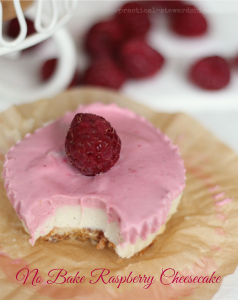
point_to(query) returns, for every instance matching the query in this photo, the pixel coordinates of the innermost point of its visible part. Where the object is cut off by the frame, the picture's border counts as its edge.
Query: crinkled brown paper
(202, 237)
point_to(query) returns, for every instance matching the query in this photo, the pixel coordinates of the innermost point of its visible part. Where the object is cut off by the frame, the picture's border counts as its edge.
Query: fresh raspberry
(190, 22)
(167, 7)
(92, 144)
(133, 19)
(75, 80)
(169, 4)
(150, 4)
(139, 60)
(235, 62)
(210, 73)
(13, 31)
(104, 72)
(176, 4)
(48, 70)
(103, 38)
(13, 28)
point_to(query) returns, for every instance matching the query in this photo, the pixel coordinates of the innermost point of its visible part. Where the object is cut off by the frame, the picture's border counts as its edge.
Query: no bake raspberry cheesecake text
(60, 276)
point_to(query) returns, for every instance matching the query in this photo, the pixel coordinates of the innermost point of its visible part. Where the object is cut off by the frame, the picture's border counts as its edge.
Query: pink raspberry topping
(139, 60)
(103, 38)
(211, 73)
(189, 21)
(92, 144)
(133, 19)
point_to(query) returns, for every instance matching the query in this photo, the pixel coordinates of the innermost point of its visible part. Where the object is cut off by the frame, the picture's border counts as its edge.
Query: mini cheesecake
(124, 208)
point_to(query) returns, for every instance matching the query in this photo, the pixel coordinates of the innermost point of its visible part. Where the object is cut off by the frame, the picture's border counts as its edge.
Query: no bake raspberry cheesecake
(126, 198)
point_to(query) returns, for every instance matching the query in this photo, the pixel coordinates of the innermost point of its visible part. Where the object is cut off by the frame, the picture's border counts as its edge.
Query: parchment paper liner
(202, 237)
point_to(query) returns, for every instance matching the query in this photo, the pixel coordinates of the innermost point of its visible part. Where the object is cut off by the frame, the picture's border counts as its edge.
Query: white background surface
(169, 90)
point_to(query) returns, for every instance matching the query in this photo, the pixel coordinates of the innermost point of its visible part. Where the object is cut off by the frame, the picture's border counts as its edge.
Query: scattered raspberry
(133, 19)
(236, 61)
(166, 5)
(92, 144)
(150, 4)
(13, 31)
(139, 60)
(49, 68)
(74, 80)
(104, 38)
(210, 73)
(13, 28)
(105, 73)
(190, 22)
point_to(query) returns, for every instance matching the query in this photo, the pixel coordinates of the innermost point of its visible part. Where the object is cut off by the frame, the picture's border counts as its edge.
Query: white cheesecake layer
(68, 217)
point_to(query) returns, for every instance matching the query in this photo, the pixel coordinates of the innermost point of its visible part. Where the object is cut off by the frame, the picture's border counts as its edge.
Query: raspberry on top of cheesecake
(125, 207)
(92, 144)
